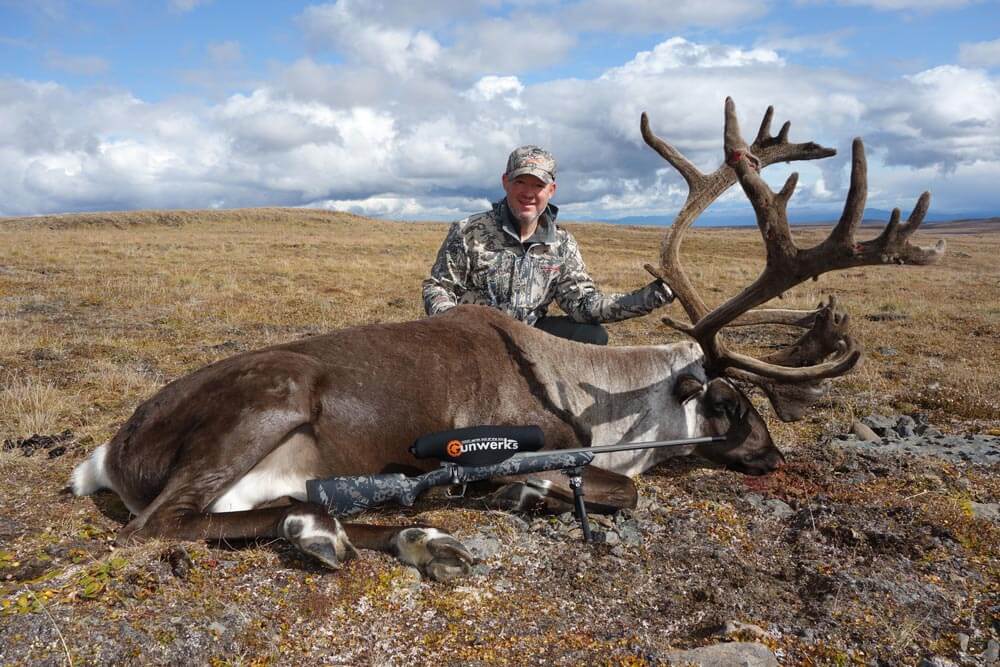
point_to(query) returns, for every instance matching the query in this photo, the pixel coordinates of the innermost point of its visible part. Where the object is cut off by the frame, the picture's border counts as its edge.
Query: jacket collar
(544, 233)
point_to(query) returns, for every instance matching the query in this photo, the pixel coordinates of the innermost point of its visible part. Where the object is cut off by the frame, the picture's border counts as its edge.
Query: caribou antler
(787, 265)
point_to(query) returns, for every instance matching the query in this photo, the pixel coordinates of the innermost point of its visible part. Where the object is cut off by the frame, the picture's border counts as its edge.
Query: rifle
(471, 455)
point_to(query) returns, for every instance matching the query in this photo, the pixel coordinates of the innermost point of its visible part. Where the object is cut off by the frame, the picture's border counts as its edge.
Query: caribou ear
(687, 387)
(722, 398)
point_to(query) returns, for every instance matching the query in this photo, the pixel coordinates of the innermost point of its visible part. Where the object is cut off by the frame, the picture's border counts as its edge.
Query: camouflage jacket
(483, 261)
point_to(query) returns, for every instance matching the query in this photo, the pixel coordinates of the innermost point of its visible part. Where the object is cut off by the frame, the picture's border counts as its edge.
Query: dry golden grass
(98, 310)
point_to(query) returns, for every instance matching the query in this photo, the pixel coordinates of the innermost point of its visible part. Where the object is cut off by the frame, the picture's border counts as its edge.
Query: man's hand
(660, 285)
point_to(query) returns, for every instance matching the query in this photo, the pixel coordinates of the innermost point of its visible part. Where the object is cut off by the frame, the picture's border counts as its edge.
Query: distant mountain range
(742, 219)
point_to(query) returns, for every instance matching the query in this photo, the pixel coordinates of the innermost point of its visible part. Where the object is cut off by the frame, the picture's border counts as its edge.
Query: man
(514, 258)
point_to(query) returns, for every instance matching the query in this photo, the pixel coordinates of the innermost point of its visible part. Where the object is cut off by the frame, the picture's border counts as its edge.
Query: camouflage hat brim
(545, 176)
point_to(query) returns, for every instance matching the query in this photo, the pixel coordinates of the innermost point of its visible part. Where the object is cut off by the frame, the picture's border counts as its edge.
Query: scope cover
(478, 445)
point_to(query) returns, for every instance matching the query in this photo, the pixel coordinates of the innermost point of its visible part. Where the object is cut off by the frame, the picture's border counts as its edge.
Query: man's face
(527, 197)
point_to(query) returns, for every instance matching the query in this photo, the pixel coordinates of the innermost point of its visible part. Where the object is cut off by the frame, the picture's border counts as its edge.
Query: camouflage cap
(532, 160)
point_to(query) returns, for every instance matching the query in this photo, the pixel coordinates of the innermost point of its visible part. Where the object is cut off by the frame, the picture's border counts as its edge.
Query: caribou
(225, 452)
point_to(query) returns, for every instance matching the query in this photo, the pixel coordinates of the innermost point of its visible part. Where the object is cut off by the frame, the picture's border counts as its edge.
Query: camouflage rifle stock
(471, 455)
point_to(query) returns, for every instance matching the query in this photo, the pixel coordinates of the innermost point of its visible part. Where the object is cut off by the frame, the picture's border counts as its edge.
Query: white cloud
(183, 6)
(980, 54)
(80, 65)
(677, 53)
(910, 5)
(506, 88)
(944, 116)
(224, 54)
(828, 43)
(397, 49)
(412, 208)
(655, 16)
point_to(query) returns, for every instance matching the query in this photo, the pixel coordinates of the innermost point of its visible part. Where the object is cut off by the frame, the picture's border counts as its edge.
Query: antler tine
(690, 173)
(787, 265)
(857, 195)
(703, 189)
(786, 316)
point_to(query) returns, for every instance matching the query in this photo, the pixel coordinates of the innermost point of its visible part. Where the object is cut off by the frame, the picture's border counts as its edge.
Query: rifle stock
(357, 493)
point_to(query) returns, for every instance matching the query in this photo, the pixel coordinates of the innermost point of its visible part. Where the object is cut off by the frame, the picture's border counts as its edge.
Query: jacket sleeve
(579, 297)
(447, 282)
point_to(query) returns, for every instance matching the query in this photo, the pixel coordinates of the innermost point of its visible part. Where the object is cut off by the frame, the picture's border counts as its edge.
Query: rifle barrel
(628, 446)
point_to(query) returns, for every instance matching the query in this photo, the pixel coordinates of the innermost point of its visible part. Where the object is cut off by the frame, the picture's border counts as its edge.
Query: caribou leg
(311, 530)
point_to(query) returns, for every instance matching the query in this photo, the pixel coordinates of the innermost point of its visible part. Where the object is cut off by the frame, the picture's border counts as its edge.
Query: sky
(408, 110)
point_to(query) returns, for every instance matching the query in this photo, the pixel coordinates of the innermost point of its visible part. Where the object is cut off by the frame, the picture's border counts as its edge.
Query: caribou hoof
(320, 536)
(438, 555)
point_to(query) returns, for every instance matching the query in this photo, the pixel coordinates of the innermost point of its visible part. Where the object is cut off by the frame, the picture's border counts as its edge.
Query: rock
(864, 432)
(745, 629)
(963, 642)
(937, 661)
(883, 426)
(611, 538)
(10, 528)
(218, 628)
(772, 506)
(179, 560)
(905, 426)
(887, 351)
(735, 654)
(991, 656)
(629, 533)
(518, 522)
(988, 511)
(482, 546)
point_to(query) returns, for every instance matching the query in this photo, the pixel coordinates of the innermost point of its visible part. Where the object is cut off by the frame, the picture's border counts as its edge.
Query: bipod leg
(576, 483)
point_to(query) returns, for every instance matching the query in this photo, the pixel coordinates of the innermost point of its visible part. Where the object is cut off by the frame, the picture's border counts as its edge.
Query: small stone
(738, 627)
(991, 656)
(179, 560)
(619, 551)
(937, 661)
(218, 628)
(883, 426)
(629, 532)
(734, 653)
(482, 546)
(610, 538)
(517, 522)
(887, 351)
(963, 642)
(864, 432)
(988, 511)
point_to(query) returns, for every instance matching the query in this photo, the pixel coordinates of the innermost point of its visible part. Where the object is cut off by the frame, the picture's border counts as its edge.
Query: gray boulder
(735, 654)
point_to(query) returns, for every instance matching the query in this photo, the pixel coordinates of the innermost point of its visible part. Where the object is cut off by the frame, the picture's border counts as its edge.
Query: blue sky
(408, 109)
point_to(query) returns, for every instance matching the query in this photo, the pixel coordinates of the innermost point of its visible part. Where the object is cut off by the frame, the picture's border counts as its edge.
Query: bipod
(576, 483)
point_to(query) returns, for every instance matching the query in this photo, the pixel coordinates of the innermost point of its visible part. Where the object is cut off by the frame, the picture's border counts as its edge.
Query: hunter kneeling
(516, 259)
